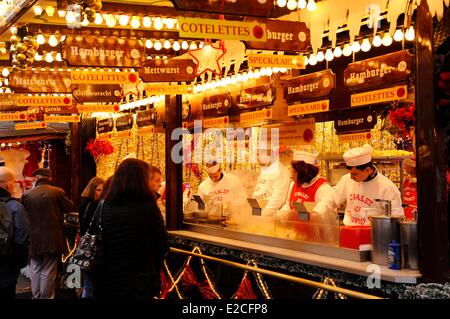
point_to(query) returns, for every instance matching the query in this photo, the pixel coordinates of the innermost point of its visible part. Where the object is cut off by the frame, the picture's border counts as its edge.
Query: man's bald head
(7, 179)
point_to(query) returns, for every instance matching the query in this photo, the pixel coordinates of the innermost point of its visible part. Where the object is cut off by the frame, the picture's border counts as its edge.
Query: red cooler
(354, 236)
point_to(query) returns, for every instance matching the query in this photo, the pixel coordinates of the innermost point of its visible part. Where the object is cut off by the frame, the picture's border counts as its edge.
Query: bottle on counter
(394, 255)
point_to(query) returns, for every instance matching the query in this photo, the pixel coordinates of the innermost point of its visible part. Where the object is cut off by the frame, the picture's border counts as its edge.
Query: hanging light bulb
(40, 39)
(135, 22)
(410, 34)
(70, 17)
(347, 51)
(37, 57)
(148, 44)
(387, 40)
(365, 46)
(281, 3)
(58, 57)
(13, 30)
(49, 57)
(377, 41)
(157, 45)
(193, 46)
(311, 5)
(6, 82)
(37, 10)
(166, 44)
(85, 22)
(398, 35)
(123, 20)
(337, 52)
(53, 41)
(292, 4)
(176, 46)
(170, 23)
(269, 71)
(301, 4)
(184, 45)
(356, 46)
(147, 22)
(312, 59)
(110, 21)
(61, 13)
(8, 90)
(158, 24)
(329, 55)
(98, 19)
(320, 56)
(50, 11)
(305, 60)
(5, 72)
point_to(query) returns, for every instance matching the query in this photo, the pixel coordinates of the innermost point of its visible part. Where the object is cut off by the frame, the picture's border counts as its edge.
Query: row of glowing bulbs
(5, 81)
(364, 46)
(110, 19)
(300, 4)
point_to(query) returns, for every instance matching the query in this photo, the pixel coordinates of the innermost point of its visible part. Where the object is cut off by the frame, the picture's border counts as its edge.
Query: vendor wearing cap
(410, 189)
(360, 188)
(273, 181)
(308, 185)
(220, 187)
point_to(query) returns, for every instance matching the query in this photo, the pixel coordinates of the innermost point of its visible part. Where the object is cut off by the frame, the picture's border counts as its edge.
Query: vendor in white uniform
(221, 189)
(273, 182)
(360, 188)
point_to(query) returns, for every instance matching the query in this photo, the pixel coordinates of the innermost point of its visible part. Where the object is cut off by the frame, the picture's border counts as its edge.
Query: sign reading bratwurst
(168, 70)
(309, 86)
(82, 50)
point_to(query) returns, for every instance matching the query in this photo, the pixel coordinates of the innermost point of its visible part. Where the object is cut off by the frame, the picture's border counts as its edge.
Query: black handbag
(87, 253)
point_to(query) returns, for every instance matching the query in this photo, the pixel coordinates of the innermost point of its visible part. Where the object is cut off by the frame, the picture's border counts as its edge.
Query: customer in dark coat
(90, 197)
(134, 237)
(46, 205)
(17, 256)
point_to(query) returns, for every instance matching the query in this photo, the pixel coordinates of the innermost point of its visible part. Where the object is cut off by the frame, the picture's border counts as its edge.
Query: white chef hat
(358, 155)
(212, 169)
(308, 158)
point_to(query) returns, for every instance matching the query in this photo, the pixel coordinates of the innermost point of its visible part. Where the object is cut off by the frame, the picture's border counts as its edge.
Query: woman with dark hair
(134, 241)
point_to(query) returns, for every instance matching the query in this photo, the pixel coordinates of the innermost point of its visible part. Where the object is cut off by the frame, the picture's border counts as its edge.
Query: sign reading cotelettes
(16, 116)
(98, 93)
(221, 29)
(276, 61)
(255, 8)
(41, 82)
(30, 126)
(104, 126)
(216, 105)
(61, 118)
(124, 122)
(258, 96)
(257, 116)
(26, 100)
(354, 121)
(283, 36)
(168, 70)
(98, 77)
(308, 108)
(379, 96)
(146, 118)
(379, 71)
(309, 86)
(355, 137)
(86, 50)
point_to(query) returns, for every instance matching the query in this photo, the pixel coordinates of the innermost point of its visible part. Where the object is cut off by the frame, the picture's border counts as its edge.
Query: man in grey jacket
(46, 205)
(17, 255)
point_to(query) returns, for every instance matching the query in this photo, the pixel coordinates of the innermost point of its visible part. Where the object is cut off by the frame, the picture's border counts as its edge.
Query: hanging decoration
(323, 294)
(89, 8)
(208, 57)
(23, 48)
(99, 148)
(403, 126)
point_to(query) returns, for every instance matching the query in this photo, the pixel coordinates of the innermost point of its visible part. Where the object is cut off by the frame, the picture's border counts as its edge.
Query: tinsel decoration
(89, 8)
(323, 293)
(245, 290)
(23, 48)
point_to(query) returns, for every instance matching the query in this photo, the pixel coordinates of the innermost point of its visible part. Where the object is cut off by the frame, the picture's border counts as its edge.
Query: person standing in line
(90, 197)
(134, 238)
(14, 250)
(46, 205)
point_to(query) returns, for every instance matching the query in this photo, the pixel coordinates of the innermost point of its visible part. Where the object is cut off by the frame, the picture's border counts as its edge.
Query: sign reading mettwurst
(41, 82)
(379, 71)
(104, 126)
(146, 118)
(283, 36)
(216, 105)
(254, 8)
(168, 70)
(99, 93)
(89, 50)
(124, 122)
(355, 121)
(257, 96)
(309, 86)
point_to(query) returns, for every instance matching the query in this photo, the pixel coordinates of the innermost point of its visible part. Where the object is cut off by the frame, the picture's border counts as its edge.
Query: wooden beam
(431, 168)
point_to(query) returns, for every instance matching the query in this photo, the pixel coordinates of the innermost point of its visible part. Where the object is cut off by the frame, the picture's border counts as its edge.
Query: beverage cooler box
(354, 236)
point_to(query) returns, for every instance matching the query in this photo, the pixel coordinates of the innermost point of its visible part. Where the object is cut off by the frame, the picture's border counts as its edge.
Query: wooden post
(174, 176)
(75, 151)
(430, 146)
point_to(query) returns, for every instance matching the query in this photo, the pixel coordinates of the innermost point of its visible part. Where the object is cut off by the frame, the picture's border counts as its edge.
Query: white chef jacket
(361, 195)
(228, 189)
(272, 185)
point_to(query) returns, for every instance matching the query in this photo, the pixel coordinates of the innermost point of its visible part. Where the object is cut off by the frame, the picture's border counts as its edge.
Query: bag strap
(98, 215)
